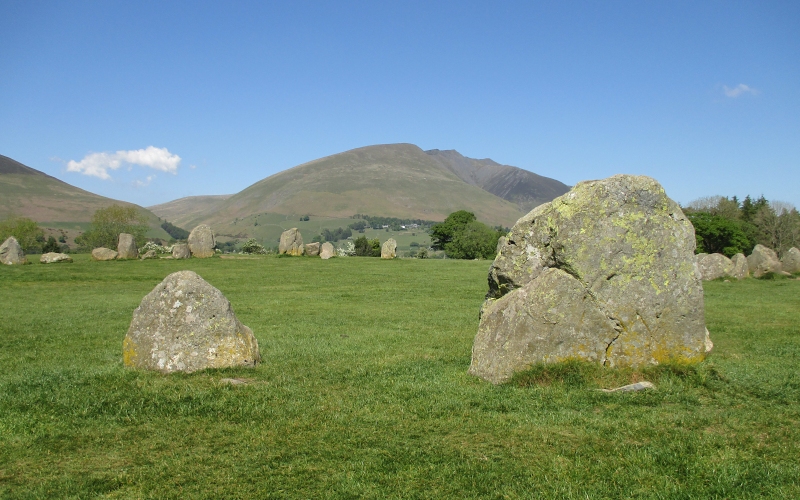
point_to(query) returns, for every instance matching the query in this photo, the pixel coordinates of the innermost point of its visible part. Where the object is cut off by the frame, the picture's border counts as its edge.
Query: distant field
(363, 393)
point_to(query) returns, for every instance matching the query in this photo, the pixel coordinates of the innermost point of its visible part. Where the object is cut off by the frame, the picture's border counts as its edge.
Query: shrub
(108, 223)
(252, 247)
(51, 246)
(26, 231)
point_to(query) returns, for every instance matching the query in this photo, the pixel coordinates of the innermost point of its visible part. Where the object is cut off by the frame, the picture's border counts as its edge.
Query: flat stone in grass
(150, 254)
(389, 249)
(185, 324)
(126, 248)
(604, 273)
(180, 251)
(54, 258)
(11, 252)
(327, 251)
(291, 242)
(103, 253)
(791, 261)
(763, 260)
(201, 242)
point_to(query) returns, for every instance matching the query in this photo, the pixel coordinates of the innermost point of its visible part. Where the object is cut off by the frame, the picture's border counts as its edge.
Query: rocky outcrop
(739, 269)
(604, 273)
(389, 249)
(54, 258)
(11, 252)
(103, 253)
(791, 261)
(763, 260)
(291, 242)
(713, 266)
(327, 250)
(201, 242)
(185, 324)
(312, 249)
(180, 251)
(126, 248)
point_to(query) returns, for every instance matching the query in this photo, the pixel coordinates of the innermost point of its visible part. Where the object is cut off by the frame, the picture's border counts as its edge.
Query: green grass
(363, 393)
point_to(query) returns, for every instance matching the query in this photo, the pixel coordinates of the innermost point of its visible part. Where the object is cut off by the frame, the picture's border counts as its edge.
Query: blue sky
(190, 98)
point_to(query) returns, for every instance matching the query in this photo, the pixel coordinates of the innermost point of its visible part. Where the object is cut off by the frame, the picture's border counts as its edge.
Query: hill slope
(391, 180)
(28, 192)
(183, 211)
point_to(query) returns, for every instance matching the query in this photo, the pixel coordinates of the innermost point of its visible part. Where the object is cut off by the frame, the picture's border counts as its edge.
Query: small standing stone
(53, 258)
(291, 242)
(791, 261)
(103, 253)
(185, 324)
(739, 269)
(327, 251)
(312, 249)
(126, 248)
(180, 251)
(201, 242)
(11, 252)
(389, 249)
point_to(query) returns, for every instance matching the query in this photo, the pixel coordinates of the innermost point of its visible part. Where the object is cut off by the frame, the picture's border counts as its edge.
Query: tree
(108, 223)
(174, 231)
(475, 241)
(717, 234)
(51, 246)
(367, 248)
(28, 234)
(444, 232)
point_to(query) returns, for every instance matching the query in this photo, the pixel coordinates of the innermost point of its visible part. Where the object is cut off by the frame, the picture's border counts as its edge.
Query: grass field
(363, 393)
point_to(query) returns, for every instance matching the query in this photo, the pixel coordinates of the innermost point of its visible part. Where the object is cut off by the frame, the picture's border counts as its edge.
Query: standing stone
(312, 249)
(126, 248)
(11, 253)
(54, 258)
(604, 273)
(713, 266)
(201, 242)
(791, 261)
(763, 260)
(150, 254)
(291, 242)
(740, 269)
(185, 324)
(103, 253)
(389, 249)
(180, 251)
(327, 251)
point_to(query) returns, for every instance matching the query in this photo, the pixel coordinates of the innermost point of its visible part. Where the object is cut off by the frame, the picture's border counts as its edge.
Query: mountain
(390, 180)
(183, 211)
(27, 192)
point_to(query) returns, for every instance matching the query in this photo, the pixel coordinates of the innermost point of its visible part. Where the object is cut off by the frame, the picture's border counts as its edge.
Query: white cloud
(140, 184)
(98, 164)
(739, 90)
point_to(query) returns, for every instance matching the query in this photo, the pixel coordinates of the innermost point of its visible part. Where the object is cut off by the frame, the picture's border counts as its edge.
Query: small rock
(180, 251)
(327, 251)
(53, 258)
(103, 253)
(11, 252)
(638, 386)
(126, 248)
(233, 381)
(312, 249)
(150, 254)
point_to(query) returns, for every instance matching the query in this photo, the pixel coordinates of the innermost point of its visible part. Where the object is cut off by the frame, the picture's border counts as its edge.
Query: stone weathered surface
(54, 258)
(389, 249)
(713, 266)
(763, 260)
(739, 269)
(327, 250)
(201, 242)
(291, 242)
(791, 261)
(185, 324)
(11, 252)
(180, 251)
(312, 249)
(150, 254)
(103, 253)
(126, 248)
(604, 273)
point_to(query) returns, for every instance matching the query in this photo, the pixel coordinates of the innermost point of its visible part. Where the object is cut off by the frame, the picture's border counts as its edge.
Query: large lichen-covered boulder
(389, 249)
(327, 250)
(739, 269)
(103, 253)
(201, 242)
(713, 266)
(126, 247)
(312, 249)
(185, 324)
(11, 252)
(763, 260)
(54, 258)
(790, 262)
(604, 273)
(291, 242)
(181, 251)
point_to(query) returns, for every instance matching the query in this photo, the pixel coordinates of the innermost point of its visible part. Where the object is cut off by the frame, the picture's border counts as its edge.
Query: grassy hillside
(395, 180)
(27, 192)
(364, 393)
(183, 211)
